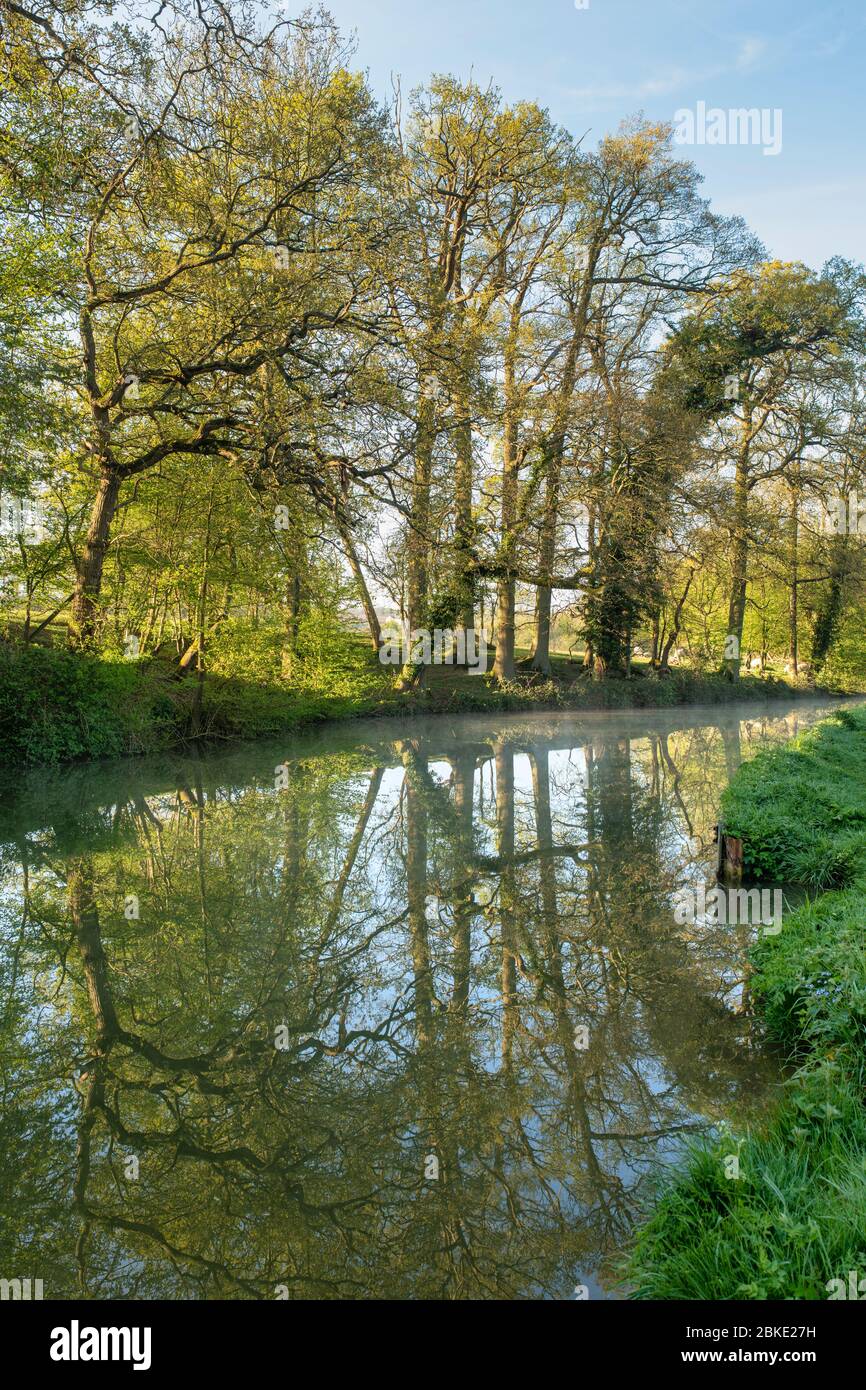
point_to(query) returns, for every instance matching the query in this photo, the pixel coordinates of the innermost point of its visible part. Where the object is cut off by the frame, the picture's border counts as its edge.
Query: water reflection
(244, 1008)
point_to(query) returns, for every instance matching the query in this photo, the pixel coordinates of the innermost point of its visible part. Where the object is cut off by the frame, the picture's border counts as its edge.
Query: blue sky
(591, 67)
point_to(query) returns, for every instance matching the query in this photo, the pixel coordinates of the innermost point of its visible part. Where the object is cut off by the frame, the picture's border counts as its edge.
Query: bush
(56, 705)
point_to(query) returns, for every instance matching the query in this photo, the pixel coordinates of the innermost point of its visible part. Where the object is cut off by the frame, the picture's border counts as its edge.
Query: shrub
(57, 705)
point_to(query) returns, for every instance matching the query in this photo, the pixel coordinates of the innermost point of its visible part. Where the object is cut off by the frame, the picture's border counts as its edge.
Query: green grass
(795, 1219)
(801, 808)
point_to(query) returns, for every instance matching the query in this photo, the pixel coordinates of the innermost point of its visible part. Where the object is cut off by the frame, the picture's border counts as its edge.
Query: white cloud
(749, 54)
(650, 87)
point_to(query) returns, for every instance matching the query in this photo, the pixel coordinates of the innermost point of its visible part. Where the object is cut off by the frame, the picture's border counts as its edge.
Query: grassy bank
(795, 1219)
(56, 706)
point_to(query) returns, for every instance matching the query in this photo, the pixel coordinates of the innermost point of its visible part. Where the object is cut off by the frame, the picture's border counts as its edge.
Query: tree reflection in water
(468, 939)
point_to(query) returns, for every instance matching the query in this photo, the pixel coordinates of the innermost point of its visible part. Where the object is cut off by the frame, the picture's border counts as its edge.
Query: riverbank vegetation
(61, 705)
(794, 1220)
(283, 368)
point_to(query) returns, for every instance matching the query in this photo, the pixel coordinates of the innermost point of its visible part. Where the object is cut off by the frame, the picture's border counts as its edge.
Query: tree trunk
(794, 542)
(540, 660)
(676, 622)
(293, 617)
(355, 565)
(88, 581)
(504, 668)
(418, 544)
(656, 635)
(418, 540)
(201, 617)
(739, 553)
(464, 617)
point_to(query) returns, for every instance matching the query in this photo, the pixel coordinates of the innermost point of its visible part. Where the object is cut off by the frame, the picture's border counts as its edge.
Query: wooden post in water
(729, 861)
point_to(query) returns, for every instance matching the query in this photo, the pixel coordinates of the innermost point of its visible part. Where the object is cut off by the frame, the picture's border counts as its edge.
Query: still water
(394, 1010)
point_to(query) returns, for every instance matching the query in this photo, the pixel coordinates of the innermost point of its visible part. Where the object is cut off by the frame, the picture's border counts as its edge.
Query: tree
(739, 357)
